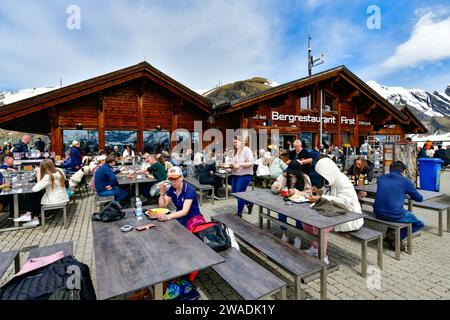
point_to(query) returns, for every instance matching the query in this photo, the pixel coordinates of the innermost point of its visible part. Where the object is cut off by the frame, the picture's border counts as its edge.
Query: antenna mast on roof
(60, 82)
(311, 59)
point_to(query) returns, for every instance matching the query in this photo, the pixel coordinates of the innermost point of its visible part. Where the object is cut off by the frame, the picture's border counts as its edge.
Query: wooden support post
(101, 121)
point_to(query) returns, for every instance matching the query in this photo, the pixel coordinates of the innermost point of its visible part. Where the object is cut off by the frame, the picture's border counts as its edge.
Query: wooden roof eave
(279, 90)
(58, 96)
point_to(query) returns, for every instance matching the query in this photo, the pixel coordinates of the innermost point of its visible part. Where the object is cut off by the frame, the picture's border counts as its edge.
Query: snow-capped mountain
(10, 97)
(432, 108)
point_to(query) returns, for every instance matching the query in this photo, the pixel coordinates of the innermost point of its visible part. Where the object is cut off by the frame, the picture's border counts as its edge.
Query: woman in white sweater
(53, 181)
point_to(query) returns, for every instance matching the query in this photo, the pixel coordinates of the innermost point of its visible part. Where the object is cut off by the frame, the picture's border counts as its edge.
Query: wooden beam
(140, 114)
(55, 133)
(349, 96)
(101, 120)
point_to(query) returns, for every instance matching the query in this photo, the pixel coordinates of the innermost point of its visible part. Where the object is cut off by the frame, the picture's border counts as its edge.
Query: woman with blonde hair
(52, 180)
(241, 172)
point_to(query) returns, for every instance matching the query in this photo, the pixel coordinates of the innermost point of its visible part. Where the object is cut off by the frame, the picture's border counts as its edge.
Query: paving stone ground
(423, 275)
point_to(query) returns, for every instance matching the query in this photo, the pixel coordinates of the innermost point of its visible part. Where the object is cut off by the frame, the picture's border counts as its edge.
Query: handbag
(214, 235)
(111, 212)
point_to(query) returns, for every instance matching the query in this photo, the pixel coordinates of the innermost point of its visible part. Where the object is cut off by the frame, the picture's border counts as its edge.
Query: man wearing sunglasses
(184, 198)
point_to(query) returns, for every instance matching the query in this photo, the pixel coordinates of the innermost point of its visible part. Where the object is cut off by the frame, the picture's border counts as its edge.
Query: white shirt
(126, 154)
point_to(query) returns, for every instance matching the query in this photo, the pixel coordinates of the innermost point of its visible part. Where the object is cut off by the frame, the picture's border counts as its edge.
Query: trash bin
(430, 173)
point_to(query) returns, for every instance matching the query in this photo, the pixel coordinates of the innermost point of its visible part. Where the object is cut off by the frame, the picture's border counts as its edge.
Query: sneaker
(297, 242)
(312, 252)
(23, 218)
(32, 223)
(284, 237)
(325, 259)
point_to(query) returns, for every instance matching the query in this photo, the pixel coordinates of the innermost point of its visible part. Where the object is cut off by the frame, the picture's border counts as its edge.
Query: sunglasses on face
(173, 179)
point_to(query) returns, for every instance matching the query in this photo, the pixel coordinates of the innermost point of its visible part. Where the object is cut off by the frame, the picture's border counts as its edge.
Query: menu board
(404, 152)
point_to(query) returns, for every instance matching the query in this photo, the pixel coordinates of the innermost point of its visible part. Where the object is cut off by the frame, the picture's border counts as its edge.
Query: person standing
(40, 145)
(392, 189)
(22, 145)
(241, 172)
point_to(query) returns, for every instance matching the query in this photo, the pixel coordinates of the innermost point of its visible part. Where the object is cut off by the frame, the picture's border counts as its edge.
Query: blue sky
(202, 42)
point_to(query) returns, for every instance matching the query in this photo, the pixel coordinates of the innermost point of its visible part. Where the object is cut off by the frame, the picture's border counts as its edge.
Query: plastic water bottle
(139, 209)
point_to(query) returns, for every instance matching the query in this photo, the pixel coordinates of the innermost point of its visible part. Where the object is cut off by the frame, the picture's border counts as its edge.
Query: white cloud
(197, 43)
(429, 41)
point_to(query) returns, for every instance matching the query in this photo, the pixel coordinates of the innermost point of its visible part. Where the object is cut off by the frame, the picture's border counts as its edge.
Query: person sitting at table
(184, 197)
(100, 161)
(8, 164)
(361, 166)
(52, 180)
(74, 162)
(299, 185)
(206, 176)
(166, 164)
(128, 152)
(392, 189)
(342, 192)
(301, 155)
(106, 181)
(276, 166)
(154, 171)
(6, 201)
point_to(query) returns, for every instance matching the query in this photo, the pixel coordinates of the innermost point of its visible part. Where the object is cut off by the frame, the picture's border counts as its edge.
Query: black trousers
(32, 202)
(216, 182)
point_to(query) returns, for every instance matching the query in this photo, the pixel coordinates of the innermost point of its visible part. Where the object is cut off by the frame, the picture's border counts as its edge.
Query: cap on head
(174, 173)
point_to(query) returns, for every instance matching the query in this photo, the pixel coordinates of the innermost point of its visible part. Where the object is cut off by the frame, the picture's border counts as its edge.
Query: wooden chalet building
(141, 106)
(352, 111)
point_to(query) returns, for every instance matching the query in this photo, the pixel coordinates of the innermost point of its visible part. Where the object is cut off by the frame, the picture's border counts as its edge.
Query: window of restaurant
(182, 137)
(327, 139)
(156, 141)
(121, 139)
(307, 138)
(305, 102)
(328, 103)
(88, 140)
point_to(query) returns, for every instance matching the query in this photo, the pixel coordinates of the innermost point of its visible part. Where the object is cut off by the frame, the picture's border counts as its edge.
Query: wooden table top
(297, 211)
(121, 180)
(372, 188)
(130, 261)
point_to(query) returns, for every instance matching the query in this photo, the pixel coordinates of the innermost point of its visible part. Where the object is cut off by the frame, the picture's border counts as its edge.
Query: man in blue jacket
(106, 181)
(392, 189)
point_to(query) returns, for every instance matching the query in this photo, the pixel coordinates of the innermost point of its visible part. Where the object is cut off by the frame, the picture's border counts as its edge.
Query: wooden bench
(6, 258)
(38, 252)
(366, 235)
(296, 262)
(397, 226)
(363, 235)
(202, 187)
(100, 200)
(250, 280)
(439, 208)
(62, 206)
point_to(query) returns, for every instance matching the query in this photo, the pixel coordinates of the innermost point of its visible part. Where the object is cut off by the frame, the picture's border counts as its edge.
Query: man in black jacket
(442, 154)
(301, 155)
(206, 176)
(22, 145)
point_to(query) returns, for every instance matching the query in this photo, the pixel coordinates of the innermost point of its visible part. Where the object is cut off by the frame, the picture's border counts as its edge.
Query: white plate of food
(298, 199)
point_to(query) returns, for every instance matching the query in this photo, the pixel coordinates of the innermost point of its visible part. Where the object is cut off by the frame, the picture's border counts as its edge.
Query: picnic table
(123, 179)
(15, 192)
(126, 262)
(299, 212)
(224, 176)
(372, 190)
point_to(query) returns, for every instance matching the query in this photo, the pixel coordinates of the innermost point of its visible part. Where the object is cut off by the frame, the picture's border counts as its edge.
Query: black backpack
(111, 212)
